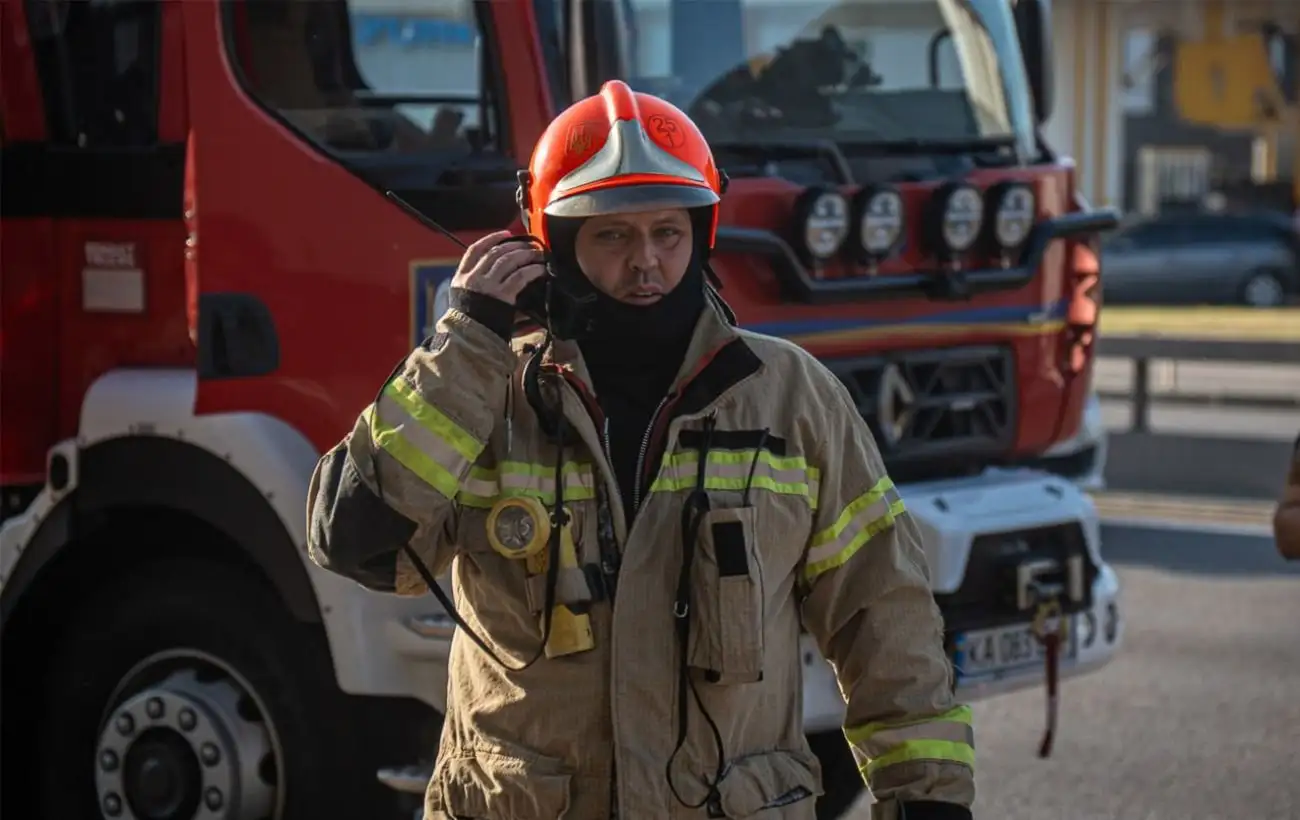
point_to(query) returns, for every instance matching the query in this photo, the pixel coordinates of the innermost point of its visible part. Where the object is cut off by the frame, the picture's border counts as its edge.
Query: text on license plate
(988, 651)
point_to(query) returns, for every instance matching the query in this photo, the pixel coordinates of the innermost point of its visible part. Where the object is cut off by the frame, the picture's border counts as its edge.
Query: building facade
(1143, 99)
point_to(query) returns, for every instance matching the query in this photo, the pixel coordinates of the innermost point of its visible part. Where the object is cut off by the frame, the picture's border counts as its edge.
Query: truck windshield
(906, 74)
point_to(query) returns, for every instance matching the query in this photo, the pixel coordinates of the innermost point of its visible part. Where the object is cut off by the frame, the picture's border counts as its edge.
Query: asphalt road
(1196, 719)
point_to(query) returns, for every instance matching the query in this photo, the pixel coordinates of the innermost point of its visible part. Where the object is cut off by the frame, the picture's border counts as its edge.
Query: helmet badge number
(666, 131)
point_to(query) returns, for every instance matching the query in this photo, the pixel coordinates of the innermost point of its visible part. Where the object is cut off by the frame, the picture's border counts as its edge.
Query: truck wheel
(189, 692)
(840, 778)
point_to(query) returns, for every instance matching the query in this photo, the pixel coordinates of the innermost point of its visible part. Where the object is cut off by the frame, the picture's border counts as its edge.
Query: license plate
(992, 651)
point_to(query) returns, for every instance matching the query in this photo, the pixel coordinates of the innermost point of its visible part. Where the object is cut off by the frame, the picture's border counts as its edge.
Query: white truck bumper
(952, 515)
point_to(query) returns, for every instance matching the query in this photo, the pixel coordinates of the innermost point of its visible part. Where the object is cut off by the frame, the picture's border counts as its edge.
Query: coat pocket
(778, 785)
(726, 640)
(483, 784)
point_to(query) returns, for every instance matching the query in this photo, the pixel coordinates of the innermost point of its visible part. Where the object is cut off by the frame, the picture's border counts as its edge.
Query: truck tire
(841, 781)
(189, 686)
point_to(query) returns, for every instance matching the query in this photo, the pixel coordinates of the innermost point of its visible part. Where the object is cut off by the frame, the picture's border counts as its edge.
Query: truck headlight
(1014, 215)
(824, 216)
(959, 208)
(880, 220)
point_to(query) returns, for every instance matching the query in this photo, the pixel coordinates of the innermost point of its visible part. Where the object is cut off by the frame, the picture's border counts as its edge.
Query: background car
(1203, 258)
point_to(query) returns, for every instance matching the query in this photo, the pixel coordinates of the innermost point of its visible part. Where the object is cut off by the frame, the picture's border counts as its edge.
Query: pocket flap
(769, 781)
(491, 786)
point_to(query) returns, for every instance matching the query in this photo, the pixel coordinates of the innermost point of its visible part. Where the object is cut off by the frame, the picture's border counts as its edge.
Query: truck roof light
(1014, 212)
(956, 217)
(879, 220)
(824, 219)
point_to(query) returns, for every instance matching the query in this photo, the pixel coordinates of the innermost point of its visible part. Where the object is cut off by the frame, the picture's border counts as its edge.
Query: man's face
(636, 258)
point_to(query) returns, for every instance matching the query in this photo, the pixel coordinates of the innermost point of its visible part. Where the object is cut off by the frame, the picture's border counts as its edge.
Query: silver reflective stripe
(866, 516)
(576, 480)
(628, 150)
(944, 738)
(395, 417)
(877, 508)
(885, 740)
(480, 483)
(730, 470)
(513, 478)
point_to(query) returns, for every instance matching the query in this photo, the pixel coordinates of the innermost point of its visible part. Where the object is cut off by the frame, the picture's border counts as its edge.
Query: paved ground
(1197, 719)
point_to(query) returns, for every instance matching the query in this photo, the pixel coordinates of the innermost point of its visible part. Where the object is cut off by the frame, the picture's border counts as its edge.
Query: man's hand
(499, 269)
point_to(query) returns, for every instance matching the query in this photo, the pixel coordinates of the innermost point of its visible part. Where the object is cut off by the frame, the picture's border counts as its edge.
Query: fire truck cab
(203, 281)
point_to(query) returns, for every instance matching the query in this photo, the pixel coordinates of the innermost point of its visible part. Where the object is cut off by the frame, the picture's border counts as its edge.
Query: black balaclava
(633, 352)
(648, 333)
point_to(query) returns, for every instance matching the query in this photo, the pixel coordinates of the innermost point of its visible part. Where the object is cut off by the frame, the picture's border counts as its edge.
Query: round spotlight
(1014, 215)
(825, 222)
(961, 218)
(880, 221)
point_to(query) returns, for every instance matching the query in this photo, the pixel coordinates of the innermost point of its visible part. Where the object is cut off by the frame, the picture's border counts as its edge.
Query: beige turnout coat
(820, 542)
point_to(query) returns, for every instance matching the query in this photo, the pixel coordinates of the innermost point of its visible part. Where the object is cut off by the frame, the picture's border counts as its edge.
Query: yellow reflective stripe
(421, 437)
(484, 487)
(940, 751)
(401, 393)
(479, 484)
(730, 470)
(948, 737)
(869, 514)
(393, 441)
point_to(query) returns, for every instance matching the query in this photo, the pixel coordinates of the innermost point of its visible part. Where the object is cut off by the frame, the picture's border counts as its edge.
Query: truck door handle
(237, 337)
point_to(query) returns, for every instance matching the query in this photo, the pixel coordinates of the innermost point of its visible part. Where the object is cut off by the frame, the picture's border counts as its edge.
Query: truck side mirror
(1034, 28)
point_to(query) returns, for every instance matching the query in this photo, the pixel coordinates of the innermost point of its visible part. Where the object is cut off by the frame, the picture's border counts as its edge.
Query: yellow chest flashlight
(520, 529)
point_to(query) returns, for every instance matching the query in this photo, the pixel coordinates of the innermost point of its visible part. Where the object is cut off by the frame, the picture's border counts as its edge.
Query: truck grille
(936, 413)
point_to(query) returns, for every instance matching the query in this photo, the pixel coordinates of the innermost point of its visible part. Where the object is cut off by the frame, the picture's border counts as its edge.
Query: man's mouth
(644, 296)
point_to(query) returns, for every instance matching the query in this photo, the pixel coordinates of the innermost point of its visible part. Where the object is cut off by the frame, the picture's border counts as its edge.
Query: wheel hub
(1264, 291)
(186, 748)
(161, 776)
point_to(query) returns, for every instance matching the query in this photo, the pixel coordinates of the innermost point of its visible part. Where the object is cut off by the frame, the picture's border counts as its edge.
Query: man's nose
(643, 256)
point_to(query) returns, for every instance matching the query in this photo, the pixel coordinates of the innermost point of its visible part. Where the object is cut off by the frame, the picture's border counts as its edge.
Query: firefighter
(1286, 521)
(641, 505)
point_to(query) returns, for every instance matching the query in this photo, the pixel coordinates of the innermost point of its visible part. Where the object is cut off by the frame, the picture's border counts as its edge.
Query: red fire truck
(203, 280)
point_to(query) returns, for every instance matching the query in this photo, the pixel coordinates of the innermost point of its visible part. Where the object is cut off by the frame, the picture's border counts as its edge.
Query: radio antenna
(424, 220)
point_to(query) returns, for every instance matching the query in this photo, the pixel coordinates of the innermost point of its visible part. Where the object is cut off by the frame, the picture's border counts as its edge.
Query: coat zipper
(610, 560)
(645, 446)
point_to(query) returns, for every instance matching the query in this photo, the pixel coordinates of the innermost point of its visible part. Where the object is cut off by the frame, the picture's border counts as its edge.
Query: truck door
(311, 283)
(92, 206)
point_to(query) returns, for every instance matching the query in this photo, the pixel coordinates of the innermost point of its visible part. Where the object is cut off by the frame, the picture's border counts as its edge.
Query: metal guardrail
(1143, 349)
